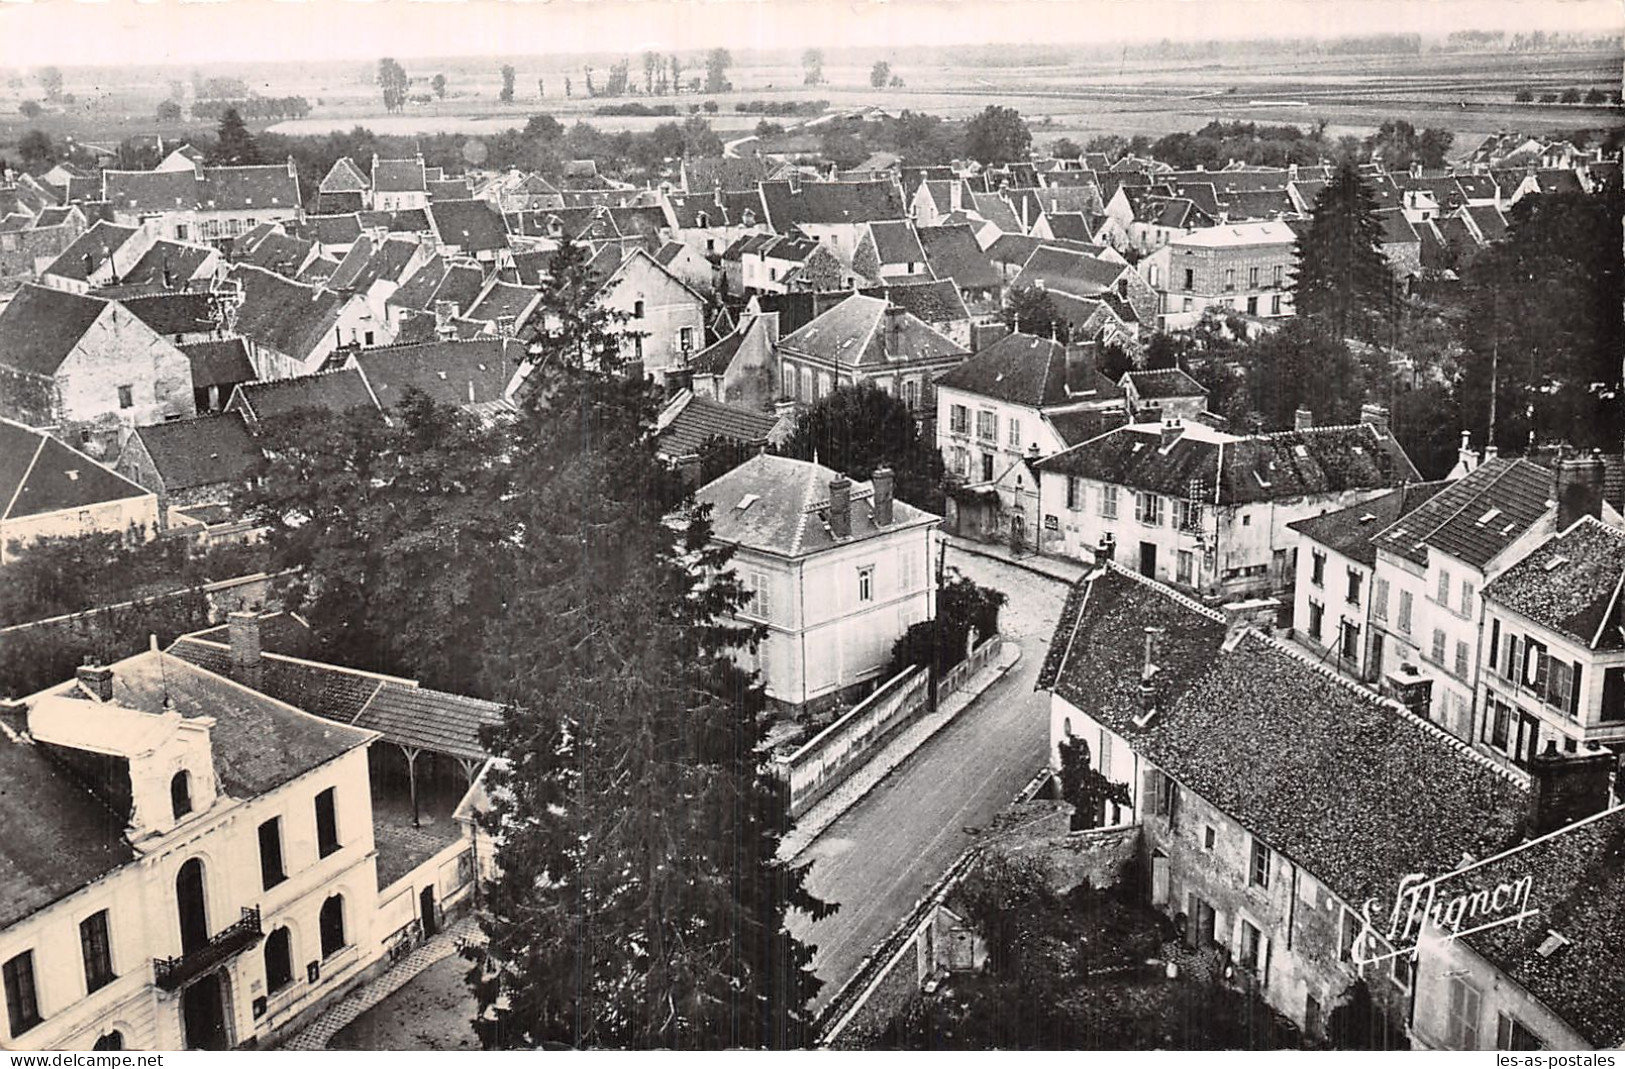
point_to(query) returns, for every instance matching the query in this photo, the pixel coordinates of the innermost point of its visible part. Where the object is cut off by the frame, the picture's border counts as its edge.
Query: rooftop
(1571, 583)
(1352, 532)
(696, 420)
(201, 451)
(860, 331)
(39, 474)
(1476, 517)
(40, 327)
(1026, 370)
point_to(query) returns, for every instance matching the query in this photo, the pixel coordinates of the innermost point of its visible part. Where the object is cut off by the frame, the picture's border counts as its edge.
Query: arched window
(180, 793)
(278, 960)
(113, 1040)
(332, 925)
(637, 310)
(1066, 726)
(702, 220)
(191, 903)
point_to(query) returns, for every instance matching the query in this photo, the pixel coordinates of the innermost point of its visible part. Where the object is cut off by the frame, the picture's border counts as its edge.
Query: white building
(1236, 267)
(838, 571)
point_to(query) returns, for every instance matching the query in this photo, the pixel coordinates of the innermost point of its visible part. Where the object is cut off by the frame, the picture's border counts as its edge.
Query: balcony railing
(172, 974)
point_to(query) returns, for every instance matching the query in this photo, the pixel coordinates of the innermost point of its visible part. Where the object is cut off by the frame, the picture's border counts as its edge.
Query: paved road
(883, 853)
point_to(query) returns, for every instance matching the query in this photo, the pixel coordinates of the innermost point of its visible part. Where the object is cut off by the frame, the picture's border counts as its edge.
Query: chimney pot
(1579, 490)
(97, 681)
(243, 628)
(1172, 428)
(884, 480)
(1303, 420)
(1376, 416)
(840, 507)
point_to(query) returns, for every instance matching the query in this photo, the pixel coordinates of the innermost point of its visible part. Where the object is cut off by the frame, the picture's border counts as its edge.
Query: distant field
(1470, 94)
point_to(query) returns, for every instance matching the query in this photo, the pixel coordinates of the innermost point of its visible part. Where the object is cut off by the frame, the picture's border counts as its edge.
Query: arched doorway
(203, 1013)
(431, 922)
(192, 906)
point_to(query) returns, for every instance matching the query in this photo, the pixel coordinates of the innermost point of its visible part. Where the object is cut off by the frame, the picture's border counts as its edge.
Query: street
(882, 854)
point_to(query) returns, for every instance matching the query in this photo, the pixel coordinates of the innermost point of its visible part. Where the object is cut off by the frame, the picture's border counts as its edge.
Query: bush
(1570, 96)
(1596, 96)
(1523, 96)
(967, 615)
(635, 109)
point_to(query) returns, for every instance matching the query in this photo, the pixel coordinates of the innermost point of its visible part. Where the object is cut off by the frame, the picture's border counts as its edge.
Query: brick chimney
(1377, 416)
(96, 680)
(1303, 420)
(244, 630)
(1566, 787)
(840, 507)
(1149, 670)
(884, 480)
(1172, 428)
(1579, 489)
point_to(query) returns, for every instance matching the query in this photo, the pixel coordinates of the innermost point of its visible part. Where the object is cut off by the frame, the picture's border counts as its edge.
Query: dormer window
(180, 794)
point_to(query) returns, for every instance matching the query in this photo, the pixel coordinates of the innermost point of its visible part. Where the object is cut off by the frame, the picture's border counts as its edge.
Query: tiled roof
(418, 289)
(1572, 584)
(707, 173)
(1266, 467)
(742, 203)
(333, 229)
(995, 209)
(169, 263)
(405, 221)
(323, 690)
(504, 299)
(1165, 382)
(1069, 272)
(782, 514)
(461, 286)
(449, 372)
(333, 391)
(398, 176)
(449, 189)
(211, 189)
(343, 177)
(1070, 226)
(223, 362)
(895, 243)
(1081, 424)
(284, 315)
(1231, 235)
(1396, 229)
(430, 719)
(1259, 204)
(387, 263)
(714, 359)
(932, 302)
(472, 225)
(701, 419)
(1458, 520)
(952, 253)
(860, 332)
(40, 327)
(280, 253)
(200, 451)
(1491, 223)
(174, 313)
(832, 203)
(1353, 531)
(39, 474)
(1353, 789)
(1026, 370)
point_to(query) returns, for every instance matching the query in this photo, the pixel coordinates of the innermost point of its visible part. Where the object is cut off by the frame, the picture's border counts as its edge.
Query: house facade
(1240, 267)
(52, 490)
(665, 324)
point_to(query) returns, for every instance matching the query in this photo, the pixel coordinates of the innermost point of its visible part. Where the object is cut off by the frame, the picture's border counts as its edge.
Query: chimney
(1409, 688)
(244, 630)
(1491, 451)
(97, 681)
(444, 312)
(1148, 671)
(1080, 367)
(894, 331)
(1172, 428)
(1303, 420)
(1566, 787)
(1377, 416)
(293, 172)
(840, 507)
(1107, 548)
(1579, 490)
(1291, 172)
(785, 409)
(884, 480)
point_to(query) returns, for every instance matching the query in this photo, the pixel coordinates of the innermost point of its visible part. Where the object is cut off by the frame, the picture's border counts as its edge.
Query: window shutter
(1495, 643)
(1543, 667)
(1151, 799)
(1574, 692)
(764, 586)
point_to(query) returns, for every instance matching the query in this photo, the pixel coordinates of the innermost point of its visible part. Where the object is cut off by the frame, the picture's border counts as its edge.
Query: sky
(73, 32)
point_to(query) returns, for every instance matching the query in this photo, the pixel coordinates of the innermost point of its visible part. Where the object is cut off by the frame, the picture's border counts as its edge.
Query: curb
(970, 551)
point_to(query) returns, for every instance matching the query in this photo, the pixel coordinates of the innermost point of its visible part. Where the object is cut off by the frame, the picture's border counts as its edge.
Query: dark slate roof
(740, 203)
(1026, 370)
(895, 243)
(328, 692)
(211, 189)
(343, 177)
(406, 221)
(1396, 229)
(449, 372)
(859, 332)
(169, 263)
(40, 327)
(933, 302)
(1572, 584)
(398, 176)
(39, 474)
(354, 261)
(335, 391)
(280, 253)
(1353, 531)
(1579, 880)
(714, 359)
(1165, 382)
(258, 742)
(1352, 788)
(449, 189)
(1491, 223)
(504, 299)
(832, 202)
(59, 836)
(1069, 272)
(701, 419)
(786, 502)
(686, 208)
(418, 289)
(1081, 424)
(223, 362)
(282, 314)
(953, 254)
(1458, 520)
(472, 225)
(333, 229)
(461, 286)
(201, 451)
(704, 174)
(387, 263)
(1265, 467)
(174, 313)
(431, 719)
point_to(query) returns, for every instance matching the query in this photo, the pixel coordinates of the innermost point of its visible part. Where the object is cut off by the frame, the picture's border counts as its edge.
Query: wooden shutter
(1574, 691)
(1151, 798)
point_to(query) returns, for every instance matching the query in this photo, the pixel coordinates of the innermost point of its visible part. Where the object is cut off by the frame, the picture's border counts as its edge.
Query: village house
(473, 229)
(665, 319)
(88, 363)
(52, 490)
(344, 189)
(476, 375)
(937, 304)
(890, 252)
(837, 215)
(1071, 278)
(204, 204)
(98, 257)
(768, 263)
(951, 253)
(687, 266)
(837, 571)
(190, 463)
(1240, 267)
(690, 420)
(740, 369)
(1207, 510)
(292, 329)
(29, 245)
(398, 185)
(1162, 393)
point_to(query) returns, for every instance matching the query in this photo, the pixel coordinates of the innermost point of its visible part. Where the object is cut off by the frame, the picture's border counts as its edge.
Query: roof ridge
(261, 694)
(39, 447)
(1166, 591)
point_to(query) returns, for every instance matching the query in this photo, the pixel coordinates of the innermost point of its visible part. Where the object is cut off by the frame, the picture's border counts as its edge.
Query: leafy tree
(438, 84)
(1355, 1023)
(653, 68)
(1400, 145)
(997, 135)
(1297, 366)
(860, 428)
(30, 109)
(720, 455)
(967, 615)
(699, 139)
(1112, 145)
(676, 65)
(1031, 310)
(234, 145)
(880, 74)
(393, 82)
(812, 67)
(169, 112)
(50, 80)
(567, 87)
(573, 327)
(544, 128)
(1064, 148)
(1570, 95)
(506, 93)
(1088, 789)
(1523, 96)
(1596, 96)
(541, 89)
(1341, 278)
(717, 62)
(37, 151)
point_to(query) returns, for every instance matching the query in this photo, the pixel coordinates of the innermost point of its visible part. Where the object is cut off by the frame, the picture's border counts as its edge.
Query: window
(1209, 838)
(1317, 617)
(959, 419)
(866, 583)
(789, 381)
(1276, 279)
(1252, 278)
(1148, 509)
(369, 337)
(1229, 279)
(180, 794)
(98, 951)
(1164, 796)
(1497, 721)
(1190, 284)
(1185, 305)
(1351, 640)
(271, 872)
(1015, 434)
(1463, 1015)
(22, 1001)
(1405, 611)
(760, 604)
(1379, 599)
(1348, 933)
(685, 339)
(113, 1040)
(637, 309)
(1275, 304)
(1510, 1034)
(1317, 568)
(1248, 951)
(1108, 502)
(278, 960)
(1467, 592)
(1186, 568)
(806, 384)
(1074, 493)
(1461, 659)
(1438, 646)
(327, 824)
(1563, 687)
(331, 922)
(1444, 587)
(911, 394)
(987, 467)
(1252, 306)
(126, 397)
(987, 426)
(1258, 872)
(1356, 579)
(1613, 695)
(1187, 515)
